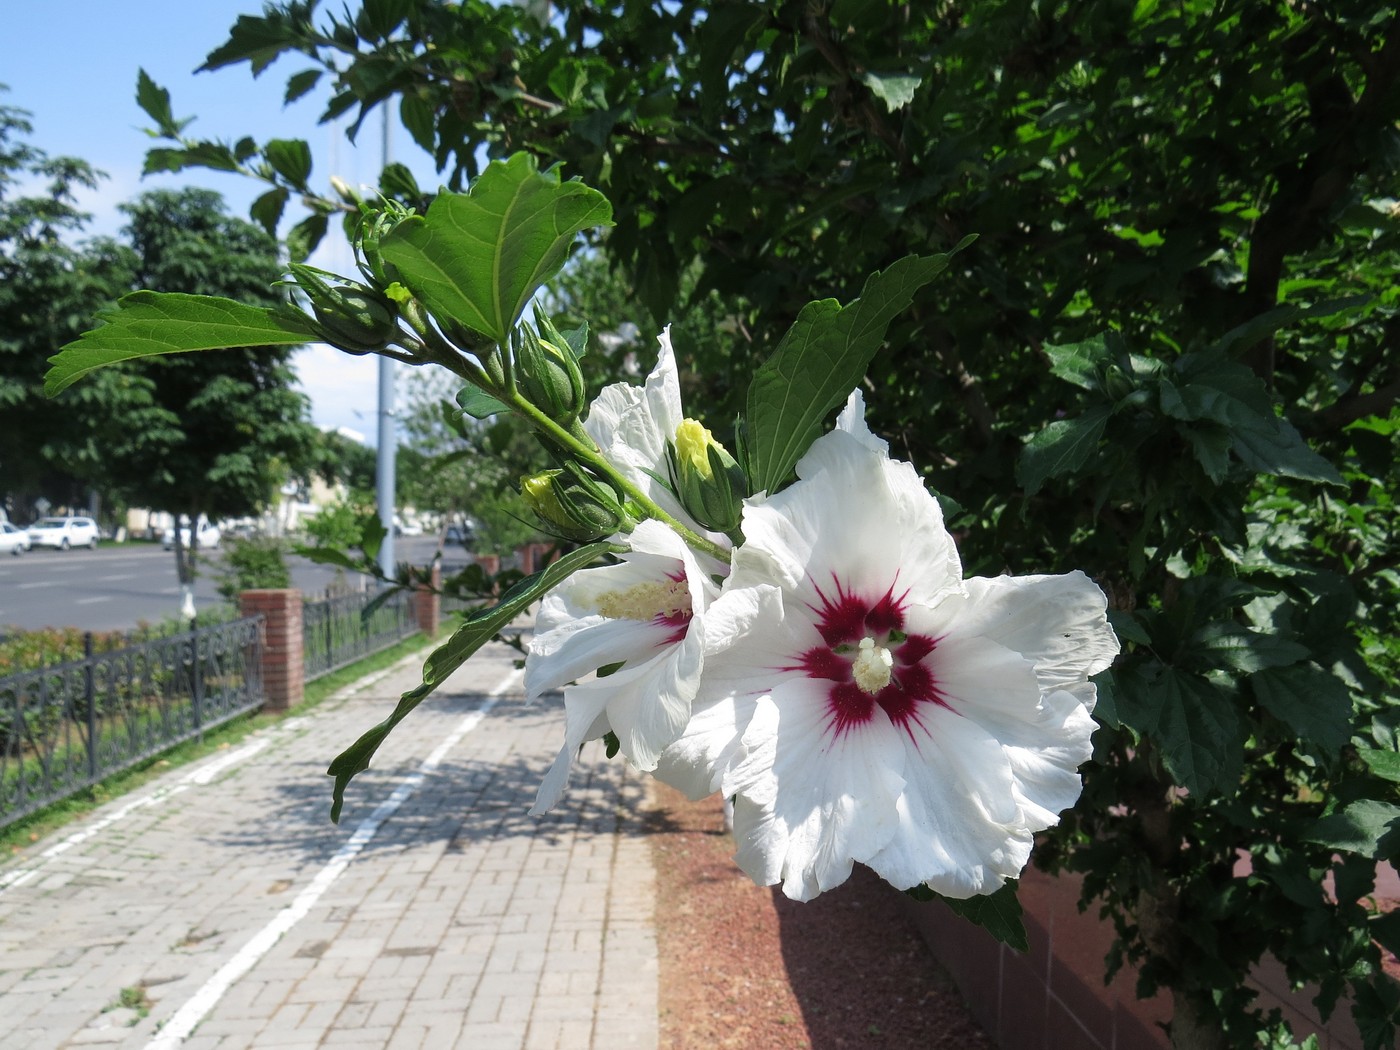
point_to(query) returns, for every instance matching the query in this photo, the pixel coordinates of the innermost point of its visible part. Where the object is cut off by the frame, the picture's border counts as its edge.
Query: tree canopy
(1167, 359)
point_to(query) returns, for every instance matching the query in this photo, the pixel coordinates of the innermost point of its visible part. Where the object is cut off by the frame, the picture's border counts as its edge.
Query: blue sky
(73, 64)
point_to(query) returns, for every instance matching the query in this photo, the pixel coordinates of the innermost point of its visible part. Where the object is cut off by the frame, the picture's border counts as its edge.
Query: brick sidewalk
(223, 894)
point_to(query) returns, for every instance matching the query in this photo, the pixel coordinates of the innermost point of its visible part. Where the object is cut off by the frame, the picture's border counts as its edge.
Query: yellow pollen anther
(872, 666)
(645, 601)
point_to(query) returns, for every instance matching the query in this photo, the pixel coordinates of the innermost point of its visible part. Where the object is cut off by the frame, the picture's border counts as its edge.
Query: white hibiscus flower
(862, 702)
(632, 426)
(644, 613)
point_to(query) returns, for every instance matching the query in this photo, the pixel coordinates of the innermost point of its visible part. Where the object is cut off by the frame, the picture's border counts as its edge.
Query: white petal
(852, 421)
(1057, 622)
(581, 646)
(822, 800)
(950, 835)
(583, 721)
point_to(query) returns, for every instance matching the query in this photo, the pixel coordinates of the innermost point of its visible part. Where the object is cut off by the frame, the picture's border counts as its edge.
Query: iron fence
(69, 725)
(336, 630)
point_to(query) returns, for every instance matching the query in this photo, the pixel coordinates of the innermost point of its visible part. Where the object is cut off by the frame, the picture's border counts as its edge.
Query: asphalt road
(122, 587)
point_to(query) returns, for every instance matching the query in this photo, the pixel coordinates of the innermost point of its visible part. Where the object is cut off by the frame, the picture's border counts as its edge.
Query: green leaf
(290, 158)
(145, 324)
(1384, 764)
(477, 258)
(1193, 721)
(299, 84)
(895, 90)
(155, 100)
(1061, 448)
(330, 556)
(478, 404)
(1106, 706)
(480, 627)
(1081, 363)
(1227, 646)
(1368, 827)
(819, 362)
(998, 913)
(1313, 703)
(267, 209)
(305, 235)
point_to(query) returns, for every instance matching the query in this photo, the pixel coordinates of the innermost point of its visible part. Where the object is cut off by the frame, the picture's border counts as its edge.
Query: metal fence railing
(69, 725)
(336, 631)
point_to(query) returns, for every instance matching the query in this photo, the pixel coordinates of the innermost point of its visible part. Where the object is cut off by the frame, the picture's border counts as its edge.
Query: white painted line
(90, 601)
(117, 576)
(200, 775)
(31, 586)
(174, 1031)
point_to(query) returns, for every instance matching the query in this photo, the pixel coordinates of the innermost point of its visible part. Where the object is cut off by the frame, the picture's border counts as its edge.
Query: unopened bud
(573, 505)
(710, 484)
(548, 375)
(351, 316)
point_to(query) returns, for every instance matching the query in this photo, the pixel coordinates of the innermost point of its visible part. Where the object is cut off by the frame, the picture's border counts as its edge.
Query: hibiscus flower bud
(548, 375)
(710, 484)
(574, 505)
(350, 316)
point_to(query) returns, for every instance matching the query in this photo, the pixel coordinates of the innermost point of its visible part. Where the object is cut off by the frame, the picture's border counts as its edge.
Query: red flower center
(889, 672)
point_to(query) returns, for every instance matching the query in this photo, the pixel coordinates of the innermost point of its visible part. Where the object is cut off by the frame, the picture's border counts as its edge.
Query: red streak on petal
(820, 662)
(915, 648)
(887, 615)
(842, 620)
(848, 706)
(677, 625)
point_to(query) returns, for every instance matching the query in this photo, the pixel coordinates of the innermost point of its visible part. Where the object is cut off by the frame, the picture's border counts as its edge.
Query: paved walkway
(438, 914)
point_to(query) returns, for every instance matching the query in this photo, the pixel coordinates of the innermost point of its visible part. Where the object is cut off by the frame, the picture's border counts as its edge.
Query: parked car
(406, 528)
(63, 533)
(208, 535)
(12, 539)
(463, 534)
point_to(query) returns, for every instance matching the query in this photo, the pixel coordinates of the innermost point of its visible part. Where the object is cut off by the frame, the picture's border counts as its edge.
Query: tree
(1168, 359)
(50, 290)
(210, 435)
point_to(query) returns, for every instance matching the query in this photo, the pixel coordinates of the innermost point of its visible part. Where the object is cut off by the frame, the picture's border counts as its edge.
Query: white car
(12, 539)
(63, 533)
(208, 536)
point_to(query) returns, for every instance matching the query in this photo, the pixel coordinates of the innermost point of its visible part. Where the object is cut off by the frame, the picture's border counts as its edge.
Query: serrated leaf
(377, 602)
(1194, 723)
(1280, 449)
(155, 101)
(1384, 764)
(480, 627)
(1368, 827)
(1313, 703)
(146, 324)
(478, 404)
(895, 90)
(1081, 363)
(299, 84)
(1227, 646)
(267, 209)
(303, 238)
(819, 362)
(1061, 448)
(998, 913)
(290, 158)
(477, 258)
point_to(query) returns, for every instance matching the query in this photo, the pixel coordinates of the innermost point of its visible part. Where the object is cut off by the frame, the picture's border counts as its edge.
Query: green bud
(710, 484)
(374, 225)
(548, 375)
(1117, 382)
(352, 317)
(574, 505)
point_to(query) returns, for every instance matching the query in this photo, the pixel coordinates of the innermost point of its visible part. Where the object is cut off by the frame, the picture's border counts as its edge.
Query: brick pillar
(426, 603)
(526, 553)
(283, 664)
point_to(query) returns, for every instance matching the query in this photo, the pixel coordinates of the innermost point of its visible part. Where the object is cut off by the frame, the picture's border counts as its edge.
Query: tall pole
(388, 440)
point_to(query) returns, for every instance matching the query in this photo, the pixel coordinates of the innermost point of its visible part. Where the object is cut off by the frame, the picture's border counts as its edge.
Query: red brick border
(283, 670)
